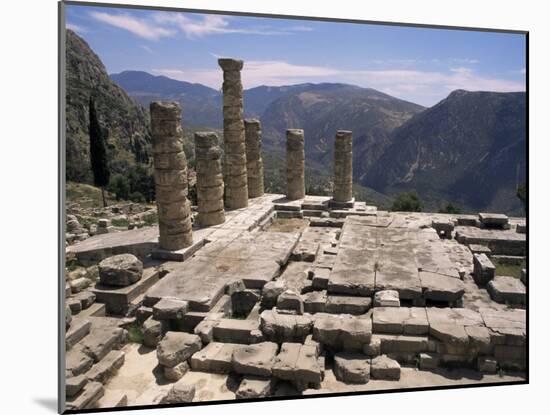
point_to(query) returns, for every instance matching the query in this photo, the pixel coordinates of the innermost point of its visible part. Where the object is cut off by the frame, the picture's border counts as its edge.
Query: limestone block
(120, 270)
(177, 347)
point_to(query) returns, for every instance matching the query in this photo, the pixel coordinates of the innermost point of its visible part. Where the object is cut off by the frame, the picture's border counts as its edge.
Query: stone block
(270, 293)
(173, 374)
(234, 331)
(90, 394)
(181, 392)
(152, 332)
(74, 385)
(402, 320)
(493, 220)
(254, 387)
(79, 329)
(402, 344)
(255, 359)
(387, 298)
(107, 367)
(282, 328)
(77, 363)
(340, 304)
(214, 358)
(428, 361)
(290, 300)
(101, 341)
(507, 290)
(484, 270)
(170, 308)
(382, 367)
(315, 301)
(351, 367)
(176, 347)
(299, 364)
(120, 270)
(487, 364)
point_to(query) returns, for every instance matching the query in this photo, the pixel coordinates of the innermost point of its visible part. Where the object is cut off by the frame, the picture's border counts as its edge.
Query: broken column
(295, 164)
(343, 171)
(209, 179)
(236, 184)
(170, 164)
(254, 162)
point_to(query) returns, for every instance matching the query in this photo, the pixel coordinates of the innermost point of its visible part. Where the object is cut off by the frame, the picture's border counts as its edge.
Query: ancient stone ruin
(295, 164)
(236, 183)
(171, 189)
(282, 295)
(254, 162)
(209, 179)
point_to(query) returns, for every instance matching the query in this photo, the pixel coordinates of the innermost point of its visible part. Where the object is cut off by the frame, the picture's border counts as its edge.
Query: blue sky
(416, 64)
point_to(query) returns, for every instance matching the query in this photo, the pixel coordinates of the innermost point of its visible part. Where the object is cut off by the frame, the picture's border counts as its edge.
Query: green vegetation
(119, 186)
(120, 222)
(135, 334)
(407, 202)
(98, 151)
(450, 208)
(85, 194)
(507, 269)
(521, 193)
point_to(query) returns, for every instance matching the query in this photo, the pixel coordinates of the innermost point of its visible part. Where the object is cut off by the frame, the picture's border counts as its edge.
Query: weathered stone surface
(351, 367)
(101, 341)
(214, 358)
(86, 299)
(342, 331)
(270, 292)
(243, 301)
(79, 284)
(254, 162)
(179, 393)
(437, 287)
(74, 385)
(343, 166)
(428, 361)
(382, 367)
(493, 220)
(254, 387)
(90, 394)
(453, 334)
(340, 304)
(282, 328)
(234, 331)
(107, 367)
(386, 298)
(173, 374)
(298, 363)
(372, 349)
(152, 332)
(400, 320)
(170, 308)
(295, 164)
(507, 290)
(487, 364)
(480, 339)
(315, 301)
(255, 359)
(320, 278)
(484, 270)
(290, 300)
(120, 270)
(403, 344)
(79, 329)
(458, 316)
(77, 363)
(176, 347)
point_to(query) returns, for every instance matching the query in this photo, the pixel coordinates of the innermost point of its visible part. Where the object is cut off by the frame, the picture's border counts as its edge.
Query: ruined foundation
(236, 184)
(209, 179)
(174, 210)
(295, 164)
(343, 169)
(254, 162)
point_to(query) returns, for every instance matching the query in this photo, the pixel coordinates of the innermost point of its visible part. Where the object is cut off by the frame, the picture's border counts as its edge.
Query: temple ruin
(282, 294)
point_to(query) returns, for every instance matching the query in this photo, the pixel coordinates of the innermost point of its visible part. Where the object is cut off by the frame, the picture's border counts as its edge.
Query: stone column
(295, 164)
(343, 170)
(209, 179)
(174, 210)
(254, 162)
(236, 184)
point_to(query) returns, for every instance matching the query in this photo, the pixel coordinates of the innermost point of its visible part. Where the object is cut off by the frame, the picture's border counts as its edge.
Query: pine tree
(98, 152)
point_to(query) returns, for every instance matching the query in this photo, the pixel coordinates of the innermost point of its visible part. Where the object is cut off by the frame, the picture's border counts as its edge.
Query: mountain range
(469, 149)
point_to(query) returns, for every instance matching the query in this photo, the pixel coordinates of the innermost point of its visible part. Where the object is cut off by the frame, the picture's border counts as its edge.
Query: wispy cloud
(76, 28)
(424, 87)
(464, 61)
(140, 27)
(217, 25)
(146, 48)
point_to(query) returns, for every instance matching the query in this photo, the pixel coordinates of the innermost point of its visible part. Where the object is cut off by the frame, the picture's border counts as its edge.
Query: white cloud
(522, 71)
(76, 28)
(424, 87)
(464, 61)
(139, 27)
(146, 48)
(210, 24)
